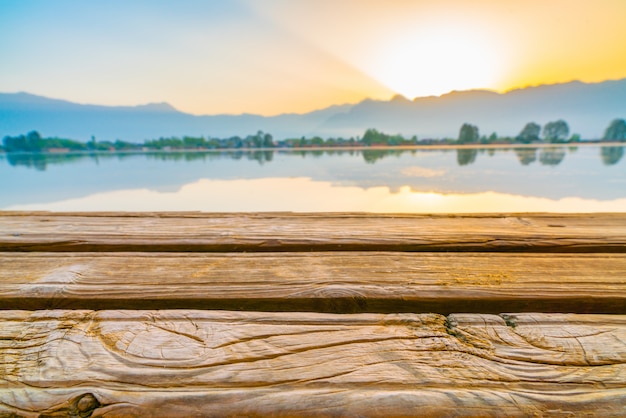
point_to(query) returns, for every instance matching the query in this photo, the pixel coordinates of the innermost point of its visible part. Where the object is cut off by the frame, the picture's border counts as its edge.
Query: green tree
(92, 143)
(31, 142)
(268, 141)
(34, 141)
(556, 131)
(468, 134)
(616, 131)
(14, 143)
(120, 145)
(317, 141)
(530, 133)
(193, 142)
(371, 136)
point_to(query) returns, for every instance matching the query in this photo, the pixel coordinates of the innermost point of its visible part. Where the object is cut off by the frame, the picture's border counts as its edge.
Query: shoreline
(341, 148)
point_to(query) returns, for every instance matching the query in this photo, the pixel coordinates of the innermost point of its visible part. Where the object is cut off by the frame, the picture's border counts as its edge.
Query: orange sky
(276, 56)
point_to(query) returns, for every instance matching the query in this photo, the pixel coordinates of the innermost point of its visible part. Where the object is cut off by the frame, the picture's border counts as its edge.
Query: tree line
(552, 132)
(552, 155)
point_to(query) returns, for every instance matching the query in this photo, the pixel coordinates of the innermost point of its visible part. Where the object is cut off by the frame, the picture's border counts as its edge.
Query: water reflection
(306, 195)
(261, 157)
(591, 173)
(611, 155)
(466, 156)
(550, 156)
(40, 161)
(372, 155)
(526, 155)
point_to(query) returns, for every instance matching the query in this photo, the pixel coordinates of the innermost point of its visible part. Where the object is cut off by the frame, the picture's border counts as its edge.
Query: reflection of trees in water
(372, 155)
(466, 156)
(552, 156)
(177, 156)
(36, 161)
(611, 155)
(40, 161)
(526, 155)
(261, 156)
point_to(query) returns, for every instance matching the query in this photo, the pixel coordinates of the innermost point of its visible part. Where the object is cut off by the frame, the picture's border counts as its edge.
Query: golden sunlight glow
(306, 195)
(282, 56)
(425, 47)
(436, 60)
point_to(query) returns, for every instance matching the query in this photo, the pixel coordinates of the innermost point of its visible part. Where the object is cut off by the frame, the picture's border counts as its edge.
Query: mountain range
(587, 107)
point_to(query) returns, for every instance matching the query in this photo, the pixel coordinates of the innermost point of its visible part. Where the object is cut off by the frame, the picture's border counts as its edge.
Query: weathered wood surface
(56, 362)
(214, 363)
(342, 282)
(307, 232)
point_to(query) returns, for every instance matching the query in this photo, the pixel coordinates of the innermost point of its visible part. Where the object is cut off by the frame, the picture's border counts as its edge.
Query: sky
(293, 56)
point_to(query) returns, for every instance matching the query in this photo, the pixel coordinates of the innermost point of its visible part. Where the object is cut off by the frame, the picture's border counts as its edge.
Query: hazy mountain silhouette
(23, 112)
(588, 108)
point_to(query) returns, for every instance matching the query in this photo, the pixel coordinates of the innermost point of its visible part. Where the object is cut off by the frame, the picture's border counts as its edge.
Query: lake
(586, 178)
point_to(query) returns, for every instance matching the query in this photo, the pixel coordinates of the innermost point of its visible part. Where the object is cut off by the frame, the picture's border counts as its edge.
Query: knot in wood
(81, 406)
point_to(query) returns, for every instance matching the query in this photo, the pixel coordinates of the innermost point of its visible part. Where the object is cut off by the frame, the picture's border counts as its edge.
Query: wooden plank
(311, 232)
(340, 282)
(212, 363)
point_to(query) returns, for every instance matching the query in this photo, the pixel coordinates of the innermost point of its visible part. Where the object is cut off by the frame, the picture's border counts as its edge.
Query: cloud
(306, 195)
(416, 171)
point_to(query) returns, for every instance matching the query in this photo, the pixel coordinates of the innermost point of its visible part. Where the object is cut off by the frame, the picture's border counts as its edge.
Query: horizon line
(393, 97)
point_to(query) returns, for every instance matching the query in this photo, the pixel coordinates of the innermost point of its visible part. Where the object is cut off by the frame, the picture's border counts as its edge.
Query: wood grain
(311, 232)
(212, 363)
(340, 282)
(252, 351)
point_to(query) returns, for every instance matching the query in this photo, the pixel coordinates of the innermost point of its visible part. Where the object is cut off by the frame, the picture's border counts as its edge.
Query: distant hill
(588, 108)
(23, 112)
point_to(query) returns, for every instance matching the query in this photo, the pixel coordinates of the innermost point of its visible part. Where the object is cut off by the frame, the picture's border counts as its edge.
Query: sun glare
(436, 61)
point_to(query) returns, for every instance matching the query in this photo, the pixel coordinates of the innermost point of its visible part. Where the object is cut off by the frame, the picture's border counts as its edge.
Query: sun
(437, 60)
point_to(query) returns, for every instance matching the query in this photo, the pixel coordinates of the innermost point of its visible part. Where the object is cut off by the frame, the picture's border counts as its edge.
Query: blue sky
(202, 57)
(275, 56)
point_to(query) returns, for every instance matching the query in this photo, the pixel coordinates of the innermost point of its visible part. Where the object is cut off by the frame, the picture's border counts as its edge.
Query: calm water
(559, 179)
